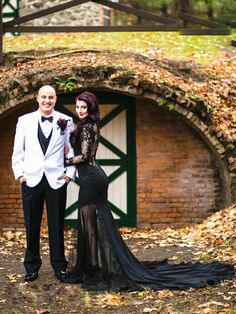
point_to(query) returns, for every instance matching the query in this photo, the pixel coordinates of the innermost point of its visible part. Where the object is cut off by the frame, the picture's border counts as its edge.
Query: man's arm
(18, 151)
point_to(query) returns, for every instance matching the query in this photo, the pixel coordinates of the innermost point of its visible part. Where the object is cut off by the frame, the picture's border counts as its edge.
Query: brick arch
(23, 89)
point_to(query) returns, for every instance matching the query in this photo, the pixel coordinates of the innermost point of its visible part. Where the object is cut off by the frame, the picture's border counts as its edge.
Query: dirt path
(48, 295)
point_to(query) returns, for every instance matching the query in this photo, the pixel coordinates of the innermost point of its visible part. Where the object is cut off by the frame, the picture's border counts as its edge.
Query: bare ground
(48, 295)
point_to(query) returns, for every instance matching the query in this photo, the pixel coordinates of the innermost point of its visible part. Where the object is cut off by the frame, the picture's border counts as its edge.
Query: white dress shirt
(46, 126)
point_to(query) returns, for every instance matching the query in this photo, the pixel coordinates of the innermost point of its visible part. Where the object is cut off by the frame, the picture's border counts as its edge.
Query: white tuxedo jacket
(28, 159)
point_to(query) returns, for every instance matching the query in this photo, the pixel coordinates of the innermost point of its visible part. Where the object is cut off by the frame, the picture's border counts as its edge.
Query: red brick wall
(177, 181)
(11, 213)
(10, 197)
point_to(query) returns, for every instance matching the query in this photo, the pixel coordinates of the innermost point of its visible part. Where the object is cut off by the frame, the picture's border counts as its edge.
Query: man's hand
(22, 179)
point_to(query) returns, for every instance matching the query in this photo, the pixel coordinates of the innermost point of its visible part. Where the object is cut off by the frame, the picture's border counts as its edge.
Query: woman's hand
(74, 160)
(66, 178)
(77, 159)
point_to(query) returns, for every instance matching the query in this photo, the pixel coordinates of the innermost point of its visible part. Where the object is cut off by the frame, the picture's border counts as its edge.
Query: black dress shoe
(73, 277)
(31, 276)
(60, 274)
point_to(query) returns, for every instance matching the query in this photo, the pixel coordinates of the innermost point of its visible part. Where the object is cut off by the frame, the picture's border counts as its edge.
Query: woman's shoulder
(90, 125)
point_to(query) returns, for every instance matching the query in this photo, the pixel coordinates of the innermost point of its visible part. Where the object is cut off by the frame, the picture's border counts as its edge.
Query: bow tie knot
(50, 119)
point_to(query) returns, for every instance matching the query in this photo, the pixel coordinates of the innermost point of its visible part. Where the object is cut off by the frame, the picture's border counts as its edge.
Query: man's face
(47, 100)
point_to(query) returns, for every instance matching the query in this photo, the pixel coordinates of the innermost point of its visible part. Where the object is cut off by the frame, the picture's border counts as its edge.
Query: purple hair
(93, 111)
(92, 103)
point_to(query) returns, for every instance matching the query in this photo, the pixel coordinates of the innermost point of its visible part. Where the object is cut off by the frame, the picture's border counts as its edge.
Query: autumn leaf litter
(214, 239)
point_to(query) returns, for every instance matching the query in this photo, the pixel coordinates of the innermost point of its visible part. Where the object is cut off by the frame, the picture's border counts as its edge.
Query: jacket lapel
(33, 134)
(55, 133)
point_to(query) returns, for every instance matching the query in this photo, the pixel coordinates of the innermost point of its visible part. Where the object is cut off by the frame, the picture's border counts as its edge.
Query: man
(38, 164)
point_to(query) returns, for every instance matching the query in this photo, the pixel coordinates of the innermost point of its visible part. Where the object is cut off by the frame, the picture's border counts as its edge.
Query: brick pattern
(11, 213)
(10, 193)
(177, 177)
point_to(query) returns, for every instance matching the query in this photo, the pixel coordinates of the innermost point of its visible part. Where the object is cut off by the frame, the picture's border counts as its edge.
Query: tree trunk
(185, 7)
(210, 10)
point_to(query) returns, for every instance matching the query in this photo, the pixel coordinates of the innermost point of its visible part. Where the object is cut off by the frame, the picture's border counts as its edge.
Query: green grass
(198, 48)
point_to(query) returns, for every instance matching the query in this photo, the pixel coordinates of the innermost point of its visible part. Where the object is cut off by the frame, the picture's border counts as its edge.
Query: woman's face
(81, 108)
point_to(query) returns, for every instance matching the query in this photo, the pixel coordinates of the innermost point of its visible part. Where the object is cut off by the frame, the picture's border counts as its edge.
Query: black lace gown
(104, 262)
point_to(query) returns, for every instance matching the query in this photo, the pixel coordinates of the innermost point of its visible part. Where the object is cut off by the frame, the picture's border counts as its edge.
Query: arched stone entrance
(182, 167)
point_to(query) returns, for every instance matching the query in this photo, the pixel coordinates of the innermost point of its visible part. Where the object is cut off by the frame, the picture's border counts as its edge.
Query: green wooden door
(116, 155)
(10, 9)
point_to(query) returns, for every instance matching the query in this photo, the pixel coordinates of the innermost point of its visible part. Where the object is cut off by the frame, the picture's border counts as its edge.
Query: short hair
(47, 87)
(92, 103)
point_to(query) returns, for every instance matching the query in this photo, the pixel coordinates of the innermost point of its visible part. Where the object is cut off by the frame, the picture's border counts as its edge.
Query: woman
(104, 262)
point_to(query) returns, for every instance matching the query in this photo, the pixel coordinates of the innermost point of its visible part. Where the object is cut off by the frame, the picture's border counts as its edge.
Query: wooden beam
(77, 29)
(197, 20)
(45, 12)
(137, 12)
(1, 32)
(207, 31)
(233, 42)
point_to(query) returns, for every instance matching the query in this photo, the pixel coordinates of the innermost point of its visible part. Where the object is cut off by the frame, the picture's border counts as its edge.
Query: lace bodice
(86, 142)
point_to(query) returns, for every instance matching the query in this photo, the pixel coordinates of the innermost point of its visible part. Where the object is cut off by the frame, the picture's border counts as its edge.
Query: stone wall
(86, 14)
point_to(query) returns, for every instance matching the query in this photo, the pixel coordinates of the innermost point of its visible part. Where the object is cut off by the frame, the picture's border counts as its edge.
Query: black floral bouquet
(62, 124)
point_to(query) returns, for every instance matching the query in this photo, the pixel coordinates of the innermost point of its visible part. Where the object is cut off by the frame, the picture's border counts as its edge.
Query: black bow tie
(50, 119)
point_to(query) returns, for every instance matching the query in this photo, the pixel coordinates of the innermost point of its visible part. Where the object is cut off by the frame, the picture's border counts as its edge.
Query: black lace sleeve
(87, 137)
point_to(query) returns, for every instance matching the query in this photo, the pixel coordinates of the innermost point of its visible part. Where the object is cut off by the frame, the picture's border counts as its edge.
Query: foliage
(222, 11)
(66, 85)
(167, 101)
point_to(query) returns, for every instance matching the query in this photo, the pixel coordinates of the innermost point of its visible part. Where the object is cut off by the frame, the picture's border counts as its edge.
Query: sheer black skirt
(104, 261)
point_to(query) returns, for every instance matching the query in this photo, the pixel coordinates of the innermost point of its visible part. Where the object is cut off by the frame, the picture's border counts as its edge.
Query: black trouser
(33, 202)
